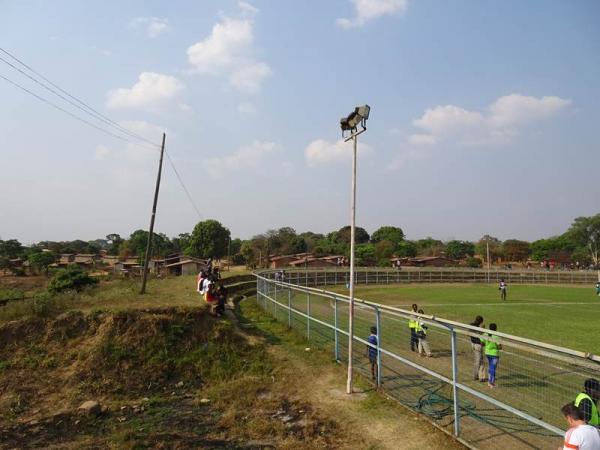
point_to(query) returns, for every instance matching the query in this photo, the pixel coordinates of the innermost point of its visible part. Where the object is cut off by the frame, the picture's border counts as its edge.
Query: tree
(115, 240)
(72, 278)
(41, 260)
(11, 249)
(406, 249)
(474, 262)
(585, 231)
(209, 239)
(515, 250)
(180, 243)
(459, 249)
(388, 233)
(495, 246)
(430, 247)
(384, 250)
(136, 244)
(365, 255)
(543, 249)
(343, 235)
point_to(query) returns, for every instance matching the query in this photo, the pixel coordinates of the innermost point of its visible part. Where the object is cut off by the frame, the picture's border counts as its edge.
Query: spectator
(477, 347)
(372, 352)
(492, 352)
(412, 325)
(502, 289)
(579, 436)
(200, 280)
(598, 288)
(587, 401)
(421, 331)
(221, 300)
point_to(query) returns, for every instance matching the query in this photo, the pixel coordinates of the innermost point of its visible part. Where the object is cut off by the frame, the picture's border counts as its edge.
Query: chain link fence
(533, 379)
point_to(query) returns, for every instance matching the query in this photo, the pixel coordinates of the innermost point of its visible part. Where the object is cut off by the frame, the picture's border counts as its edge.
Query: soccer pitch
(568, 316)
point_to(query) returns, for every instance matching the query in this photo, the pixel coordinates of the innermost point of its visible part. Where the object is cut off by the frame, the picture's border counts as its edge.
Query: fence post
(454, 381)
(378, 325)
(335, 325)
(289, 308)
(308, 314)
(275, 302)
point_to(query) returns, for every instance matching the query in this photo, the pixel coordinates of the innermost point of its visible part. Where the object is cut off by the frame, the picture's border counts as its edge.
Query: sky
(484, 116)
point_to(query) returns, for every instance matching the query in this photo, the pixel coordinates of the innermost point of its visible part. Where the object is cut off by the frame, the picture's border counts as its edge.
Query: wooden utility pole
(149, 242)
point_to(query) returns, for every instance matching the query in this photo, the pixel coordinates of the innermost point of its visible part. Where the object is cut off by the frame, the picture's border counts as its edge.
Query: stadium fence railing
(534, 379)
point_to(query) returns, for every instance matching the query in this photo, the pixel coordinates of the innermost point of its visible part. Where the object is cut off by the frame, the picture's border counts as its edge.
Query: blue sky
(484, 115)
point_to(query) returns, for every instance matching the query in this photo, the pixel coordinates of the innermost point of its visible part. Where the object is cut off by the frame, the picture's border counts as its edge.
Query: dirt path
(370, 420)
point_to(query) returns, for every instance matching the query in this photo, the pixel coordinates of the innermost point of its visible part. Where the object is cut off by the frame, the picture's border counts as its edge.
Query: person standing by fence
(412, 325)
(587, 401)
(477, 347)
(492, 352)
(421, 331)
(372, 352)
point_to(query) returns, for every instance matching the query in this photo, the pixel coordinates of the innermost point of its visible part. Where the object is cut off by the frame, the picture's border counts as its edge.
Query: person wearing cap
(372, 352)
(587, 401)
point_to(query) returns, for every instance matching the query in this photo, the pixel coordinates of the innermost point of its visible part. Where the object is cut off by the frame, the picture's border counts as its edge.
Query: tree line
(211, 239)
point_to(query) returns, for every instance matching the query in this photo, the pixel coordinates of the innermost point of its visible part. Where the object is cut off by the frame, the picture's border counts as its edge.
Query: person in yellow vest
(412, 325)
(587, 401)
(491, 350)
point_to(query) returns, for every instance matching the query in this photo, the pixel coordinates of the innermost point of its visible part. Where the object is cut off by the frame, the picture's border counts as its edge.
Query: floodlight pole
(353, 137)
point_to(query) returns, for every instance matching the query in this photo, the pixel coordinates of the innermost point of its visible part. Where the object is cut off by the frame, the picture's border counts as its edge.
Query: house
(185, 267)
(127, 268)
(110, 260)
(86, 258)
(432, 261)
(312, 262)
(277, 262)
(338, 260)
(400, 261)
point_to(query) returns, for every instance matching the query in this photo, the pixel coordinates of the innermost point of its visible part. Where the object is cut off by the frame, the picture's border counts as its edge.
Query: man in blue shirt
(372, 352)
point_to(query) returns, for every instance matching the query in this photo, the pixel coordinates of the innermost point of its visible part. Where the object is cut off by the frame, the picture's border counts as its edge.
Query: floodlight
(363, 111)
(344, 124)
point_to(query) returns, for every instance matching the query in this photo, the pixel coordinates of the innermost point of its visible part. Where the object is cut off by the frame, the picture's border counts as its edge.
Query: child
(372, 352)
(421, 331)
(492, 352)
(502, 289)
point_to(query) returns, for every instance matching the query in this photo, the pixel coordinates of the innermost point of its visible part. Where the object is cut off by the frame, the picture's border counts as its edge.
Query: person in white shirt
(579, 436)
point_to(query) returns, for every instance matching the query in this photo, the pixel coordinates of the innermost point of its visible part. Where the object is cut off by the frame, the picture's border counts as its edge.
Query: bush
(70, 279)
(474, 262)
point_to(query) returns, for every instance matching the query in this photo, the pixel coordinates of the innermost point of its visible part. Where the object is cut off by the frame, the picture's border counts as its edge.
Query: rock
(307, 349)
(90, 408)
(145, 399)
(204, 401)
(180, 384)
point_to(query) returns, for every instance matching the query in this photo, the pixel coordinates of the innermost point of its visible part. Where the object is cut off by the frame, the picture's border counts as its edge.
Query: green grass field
(568, 316)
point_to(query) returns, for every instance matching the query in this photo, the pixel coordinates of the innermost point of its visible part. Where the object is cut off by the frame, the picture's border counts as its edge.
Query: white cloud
(367, 10)
(151, 90)
(407, 155)
(153, 26)
(101, 152)
(249, 78)
(246, 108)
(228, 51)
(321, 151)
(498, 123)
(184, 107)
(248, 156)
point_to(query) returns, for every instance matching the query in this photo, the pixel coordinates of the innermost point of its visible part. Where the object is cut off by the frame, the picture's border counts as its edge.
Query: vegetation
(210, 239)
(73, 278)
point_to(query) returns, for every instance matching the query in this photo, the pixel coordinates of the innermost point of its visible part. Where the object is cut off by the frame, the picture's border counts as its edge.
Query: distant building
(312, 262)
(278, 262)
(431, 261)
(185, 267)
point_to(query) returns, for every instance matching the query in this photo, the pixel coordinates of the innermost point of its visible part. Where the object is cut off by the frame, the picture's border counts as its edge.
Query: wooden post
(149, 242)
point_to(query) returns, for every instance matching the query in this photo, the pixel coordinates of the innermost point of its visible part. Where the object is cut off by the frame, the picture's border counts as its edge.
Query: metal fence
(534, 379)
(381, 275)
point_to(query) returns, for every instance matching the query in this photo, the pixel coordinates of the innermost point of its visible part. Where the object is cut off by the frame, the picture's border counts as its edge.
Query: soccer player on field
(502, 289)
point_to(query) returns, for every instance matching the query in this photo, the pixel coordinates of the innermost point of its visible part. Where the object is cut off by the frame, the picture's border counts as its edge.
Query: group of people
(485, 345)
(212, 289)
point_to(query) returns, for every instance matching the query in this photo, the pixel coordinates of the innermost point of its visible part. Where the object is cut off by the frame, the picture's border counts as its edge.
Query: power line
(90, 111)
(75, 116)
(85, 107)
(183, 185)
